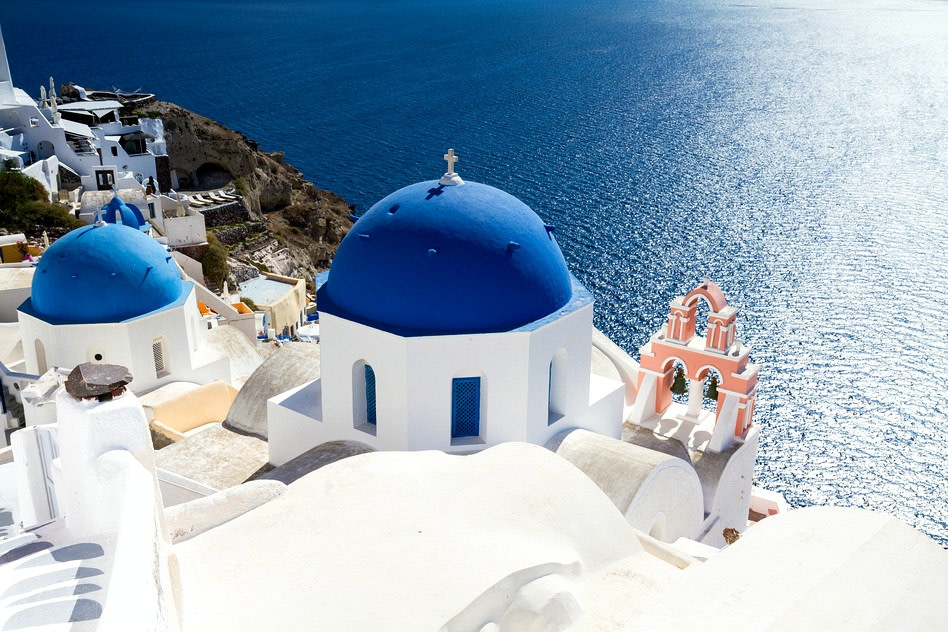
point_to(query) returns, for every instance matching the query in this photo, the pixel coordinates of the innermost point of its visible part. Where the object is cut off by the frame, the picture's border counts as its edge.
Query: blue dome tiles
(104, 274)
(433, 259)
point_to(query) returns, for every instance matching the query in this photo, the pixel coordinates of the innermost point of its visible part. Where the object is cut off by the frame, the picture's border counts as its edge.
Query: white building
(88, 141)
(448, 321)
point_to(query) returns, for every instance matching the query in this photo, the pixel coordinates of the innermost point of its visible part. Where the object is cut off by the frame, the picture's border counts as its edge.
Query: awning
(66, 168)
(137, 136)
(76, 128)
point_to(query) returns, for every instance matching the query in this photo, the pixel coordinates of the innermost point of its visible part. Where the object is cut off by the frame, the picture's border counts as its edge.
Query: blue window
(465, 406)
(369, 395)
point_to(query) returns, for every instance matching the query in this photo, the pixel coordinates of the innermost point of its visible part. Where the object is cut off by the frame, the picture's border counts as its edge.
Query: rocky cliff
(291, 228)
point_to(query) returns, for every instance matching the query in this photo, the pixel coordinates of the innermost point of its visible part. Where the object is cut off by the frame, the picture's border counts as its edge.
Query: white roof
(22, 98)
(92, 106)
(415, 535)
(16, 277)
(76, 128)
(11, 239)
(810, 569)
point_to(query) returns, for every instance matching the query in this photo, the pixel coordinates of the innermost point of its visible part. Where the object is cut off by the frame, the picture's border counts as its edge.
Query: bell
(712, 392)
(679, 387)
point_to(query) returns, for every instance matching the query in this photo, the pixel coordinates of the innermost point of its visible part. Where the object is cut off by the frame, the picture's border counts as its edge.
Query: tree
(24, 204)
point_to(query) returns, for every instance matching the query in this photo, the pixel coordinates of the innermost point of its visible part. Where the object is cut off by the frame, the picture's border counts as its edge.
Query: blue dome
(432, 259)
(128, 214)
(104, 274)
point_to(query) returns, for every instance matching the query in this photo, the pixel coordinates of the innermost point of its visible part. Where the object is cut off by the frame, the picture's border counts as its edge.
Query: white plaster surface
(382, 541)
(11, 347)
(658, 494)
(88, 429)
(197, 516)
(819, 568)
(15, 284)
(413, 379)
(57, 583)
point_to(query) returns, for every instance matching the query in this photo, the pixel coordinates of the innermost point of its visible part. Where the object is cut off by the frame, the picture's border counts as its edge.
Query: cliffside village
(433, 435)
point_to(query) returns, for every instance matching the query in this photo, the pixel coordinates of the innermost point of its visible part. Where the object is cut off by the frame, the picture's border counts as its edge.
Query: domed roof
(445, 259)
(104, 274)
(128, 214)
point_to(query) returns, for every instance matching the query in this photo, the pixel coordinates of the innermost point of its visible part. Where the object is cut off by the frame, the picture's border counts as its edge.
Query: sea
(794, 151)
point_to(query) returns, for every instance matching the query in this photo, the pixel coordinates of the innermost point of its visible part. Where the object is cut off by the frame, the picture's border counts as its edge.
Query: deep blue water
(795, 152)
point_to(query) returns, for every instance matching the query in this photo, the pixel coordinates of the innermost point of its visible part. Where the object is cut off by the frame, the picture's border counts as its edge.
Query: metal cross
(451, 158)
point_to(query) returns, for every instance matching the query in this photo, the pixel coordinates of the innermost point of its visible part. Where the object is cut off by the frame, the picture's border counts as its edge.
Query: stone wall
(240, 232)
(226, 214)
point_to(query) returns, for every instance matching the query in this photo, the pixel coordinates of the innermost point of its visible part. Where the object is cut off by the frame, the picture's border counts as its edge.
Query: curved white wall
(657, 493)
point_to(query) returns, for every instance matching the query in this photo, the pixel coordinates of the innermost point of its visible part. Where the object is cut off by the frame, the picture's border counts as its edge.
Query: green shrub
(24, 203)
(240, 186)
(248, 302)
(214, 262)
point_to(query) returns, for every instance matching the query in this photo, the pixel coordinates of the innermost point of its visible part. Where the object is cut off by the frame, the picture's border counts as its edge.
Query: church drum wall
(571, 332)
(343, 343)
(500, 360)
(127, 343)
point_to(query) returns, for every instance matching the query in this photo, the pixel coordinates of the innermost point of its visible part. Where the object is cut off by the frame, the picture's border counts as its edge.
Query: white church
(449, 321)
(109, 293)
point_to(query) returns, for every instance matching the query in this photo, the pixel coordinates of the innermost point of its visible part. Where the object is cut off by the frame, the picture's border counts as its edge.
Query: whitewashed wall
(127, 343)
(413, 385)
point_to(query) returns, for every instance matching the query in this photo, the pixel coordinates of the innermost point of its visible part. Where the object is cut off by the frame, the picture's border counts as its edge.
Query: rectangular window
(465, 407)
(158, 352)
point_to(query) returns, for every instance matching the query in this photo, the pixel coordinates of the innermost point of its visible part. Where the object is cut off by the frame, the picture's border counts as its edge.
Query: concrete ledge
(197, 516)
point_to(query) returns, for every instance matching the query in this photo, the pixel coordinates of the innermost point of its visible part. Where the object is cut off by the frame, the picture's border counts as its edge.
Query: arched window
(556, 393)
(465, 407)
(364, 409)
(370, 414)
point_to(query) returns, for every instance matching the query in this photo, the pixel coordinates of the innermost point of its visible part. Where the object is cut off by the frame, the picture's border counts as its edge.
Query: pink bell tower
(719, 350)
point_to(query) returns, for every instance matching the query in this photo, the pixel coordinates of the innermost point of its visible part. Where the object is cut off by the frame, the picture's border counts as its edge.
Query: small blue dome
(128, 214)
(433, 259)
(104, 274)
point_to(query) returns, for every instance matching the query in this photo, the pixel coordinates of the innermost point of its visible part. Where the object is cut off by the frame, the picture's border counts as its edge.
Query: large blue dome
(104, 274)
(440, 259)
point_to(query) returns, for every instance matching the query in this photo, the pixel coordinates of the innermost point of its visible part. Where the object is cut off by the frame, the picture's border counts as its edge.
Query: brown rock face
(309, 222)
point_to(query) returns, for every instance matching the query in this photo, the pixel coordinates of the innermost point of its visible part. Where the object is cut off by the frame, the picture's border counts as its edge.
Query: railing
(12, 384)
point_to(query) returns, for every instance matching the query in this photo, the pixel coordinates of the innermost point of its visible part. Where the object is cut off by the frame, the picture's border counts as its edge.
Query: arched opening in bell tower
(711, 381)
